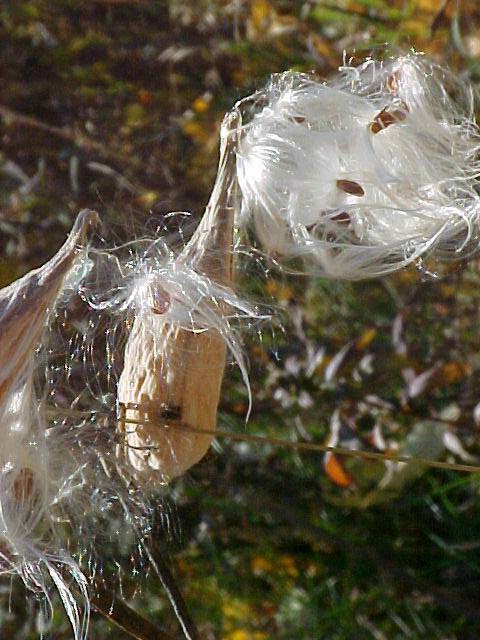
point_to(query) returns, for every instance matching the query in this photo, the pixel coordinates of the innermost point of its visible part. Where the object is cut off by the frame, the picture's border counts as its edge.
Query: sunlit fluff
(161, 289)
(365, 173)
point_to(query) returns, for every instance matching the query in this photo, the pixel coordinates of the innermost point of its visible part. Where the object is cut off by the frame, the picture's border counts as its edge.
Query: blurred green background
(116, 105)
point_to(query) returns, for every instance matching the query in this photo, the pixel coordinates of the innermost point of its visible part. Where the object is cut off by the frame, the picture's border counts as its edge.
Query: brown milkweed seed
(24, 484)
(351, 187)
(341, 217)
(385, 118)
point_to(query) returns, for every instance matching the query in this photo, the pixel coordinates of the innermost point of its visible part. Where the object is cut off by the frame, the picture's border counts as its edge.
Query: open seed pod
(29, 479)
(362, 174)
(176, 350)
(24, 305)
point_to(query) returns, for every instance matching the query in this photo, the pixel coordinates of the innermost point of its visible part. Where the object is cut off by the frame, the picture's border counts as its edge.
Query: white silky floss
(363, 174)
(162, 289)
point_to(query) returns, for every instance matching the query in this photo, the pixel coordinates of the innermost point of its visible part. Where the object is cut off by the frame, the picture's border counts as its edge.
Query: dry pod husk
(173, 372)
(24, 305)
(30, 476)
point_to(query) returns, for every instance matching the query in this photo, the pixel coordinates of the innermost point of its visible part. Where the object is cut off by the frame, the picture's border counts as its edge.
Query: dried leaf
(453, 444)
(416, 385)
(452, 372)
(366, 339)
(336, 362)
(336, 472)
(260, 12)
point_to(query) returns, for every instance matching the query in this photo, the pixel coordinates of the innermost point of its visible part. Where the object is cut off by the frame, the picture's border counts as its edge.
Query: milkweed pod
(29, 475)
(24, 305)
(176, 350)
(362, 174)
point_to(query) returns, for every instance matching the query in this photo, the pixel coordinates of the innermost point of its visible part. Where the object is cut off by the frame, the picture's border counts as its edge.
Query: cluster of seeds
(362, 174)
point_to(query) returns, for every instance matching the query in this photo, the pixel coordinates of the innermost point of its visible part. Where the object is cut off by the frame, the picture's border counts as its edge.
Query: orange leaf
(260, 11)
(145, 97)
(202, 103)
(336, 472)
(260, 565)
(452, 372)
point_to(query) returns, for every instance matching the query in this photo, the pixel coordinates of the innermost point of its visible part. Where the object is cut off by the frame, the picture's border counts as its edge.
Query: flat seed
(160, 299)
(385, 118)
(23, 484)
(342, 217)
(351, 187)
(392, 83)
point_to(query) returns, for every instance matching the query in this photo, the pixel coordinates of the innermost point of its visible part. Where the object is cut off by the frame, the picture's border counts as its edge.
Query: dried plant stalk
(174, 377)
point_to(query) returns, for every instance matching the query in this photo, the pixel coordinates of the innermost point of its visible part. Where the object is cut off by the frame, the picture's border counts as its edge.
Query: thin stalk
(323, 448)
(173, 593)
(125, 618)
(309, 446)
